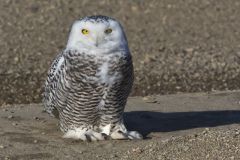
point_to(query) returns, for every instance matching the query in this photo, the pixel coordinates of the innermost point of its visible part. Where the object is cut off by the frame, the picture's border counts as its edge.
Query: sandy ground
(177, 45)
(182, 126)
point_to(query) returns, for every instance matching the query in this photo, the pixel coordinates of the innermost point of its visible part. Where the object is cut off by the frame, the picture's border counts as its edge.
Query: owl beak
(96, 44)
(97, 41)
(98, 38)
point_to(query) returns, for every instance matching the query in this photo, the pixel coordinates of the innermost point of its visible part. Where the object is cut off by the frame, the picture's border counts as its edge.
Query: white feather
(97, 41)
(105, 77)
(106, 129)
(83, 133)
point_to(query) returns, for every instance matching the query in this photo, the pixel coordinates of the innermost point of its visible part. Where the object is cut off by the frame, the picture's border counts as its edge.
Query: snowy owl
(89, 82)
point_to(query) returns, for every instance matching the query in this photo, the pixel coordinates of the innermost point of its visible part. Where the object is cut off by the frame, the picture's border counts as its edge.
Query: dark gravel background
(177, 45)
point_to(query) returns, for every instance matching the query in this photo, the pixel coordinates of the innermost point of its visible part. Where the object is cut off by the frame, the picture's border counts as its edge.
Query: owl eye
(85, 31)
(108, 31)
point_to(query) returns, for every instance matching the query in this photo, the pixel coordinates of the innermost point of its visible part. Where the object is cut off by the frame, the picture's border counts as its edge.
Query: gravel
(210, 145)
(195, 126)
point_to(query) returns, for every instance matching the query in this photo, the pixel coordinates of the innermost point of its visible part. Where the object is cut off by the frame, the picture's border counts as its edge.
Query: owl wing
(51, 84)
(67, 89)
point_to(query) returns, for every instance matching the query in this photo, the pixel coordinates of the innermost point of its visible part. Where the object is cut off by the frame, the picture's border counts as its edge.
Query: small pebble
(145, 98)
(7, 158)
(5, 109)
(206, 131)
(14, 124)
(232, 158)
(149, 100)
(34, 8)
(10, 117)
(113, 156)
(2, 147)
(137, 150)
(185, 148)
(189, 50)
(238, 102)
(236, 134)
(150, 150)
(35, 141)
(36, 118)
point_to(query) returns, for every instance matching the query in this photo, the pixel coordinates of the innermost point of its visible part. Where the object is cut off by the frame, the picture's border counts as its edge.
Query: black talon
(120, 132)
(105, 136)
(88, 138)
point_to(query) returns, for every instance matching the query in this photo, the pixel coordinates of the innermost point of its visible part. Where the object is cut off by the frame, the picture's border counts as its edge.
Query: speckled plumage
(88, 88)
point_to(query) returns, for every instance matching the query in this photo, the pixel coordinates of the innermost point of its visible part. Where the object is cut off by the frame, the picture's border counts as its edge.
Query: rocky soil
(177, 45)
(198, 126)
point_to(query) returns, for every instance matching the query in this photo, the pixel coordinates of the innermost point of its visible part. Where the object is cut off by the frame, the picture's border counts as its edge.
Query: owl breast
(107, 75)
(96, 69)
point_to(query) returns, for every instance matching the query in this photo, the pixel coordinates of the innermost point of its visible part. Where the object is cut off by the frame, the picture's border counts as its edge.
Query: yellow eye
(108, 31)
(85, 31)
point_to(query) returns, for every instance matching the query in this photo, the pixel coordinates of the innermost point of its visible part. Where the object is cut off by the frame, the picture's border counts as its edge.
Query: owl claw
(121, 132)
(84, 134)
(128, 135)
(118, 135)
(88, 138)
(105, 136)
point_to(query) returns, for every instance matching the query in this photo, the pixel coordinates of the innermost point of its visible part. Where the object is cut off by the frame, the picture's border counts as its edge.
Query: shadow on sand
(146, 122)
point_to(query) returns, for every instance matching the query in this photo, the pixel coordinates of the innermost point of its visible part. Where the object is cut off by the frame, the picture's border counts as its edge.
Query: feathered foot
(120, 132)
(84, 134)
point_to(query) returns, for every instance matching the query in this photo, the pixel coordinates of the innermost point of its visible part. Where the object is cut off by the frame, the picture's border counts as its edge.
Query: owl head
(97, 34)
